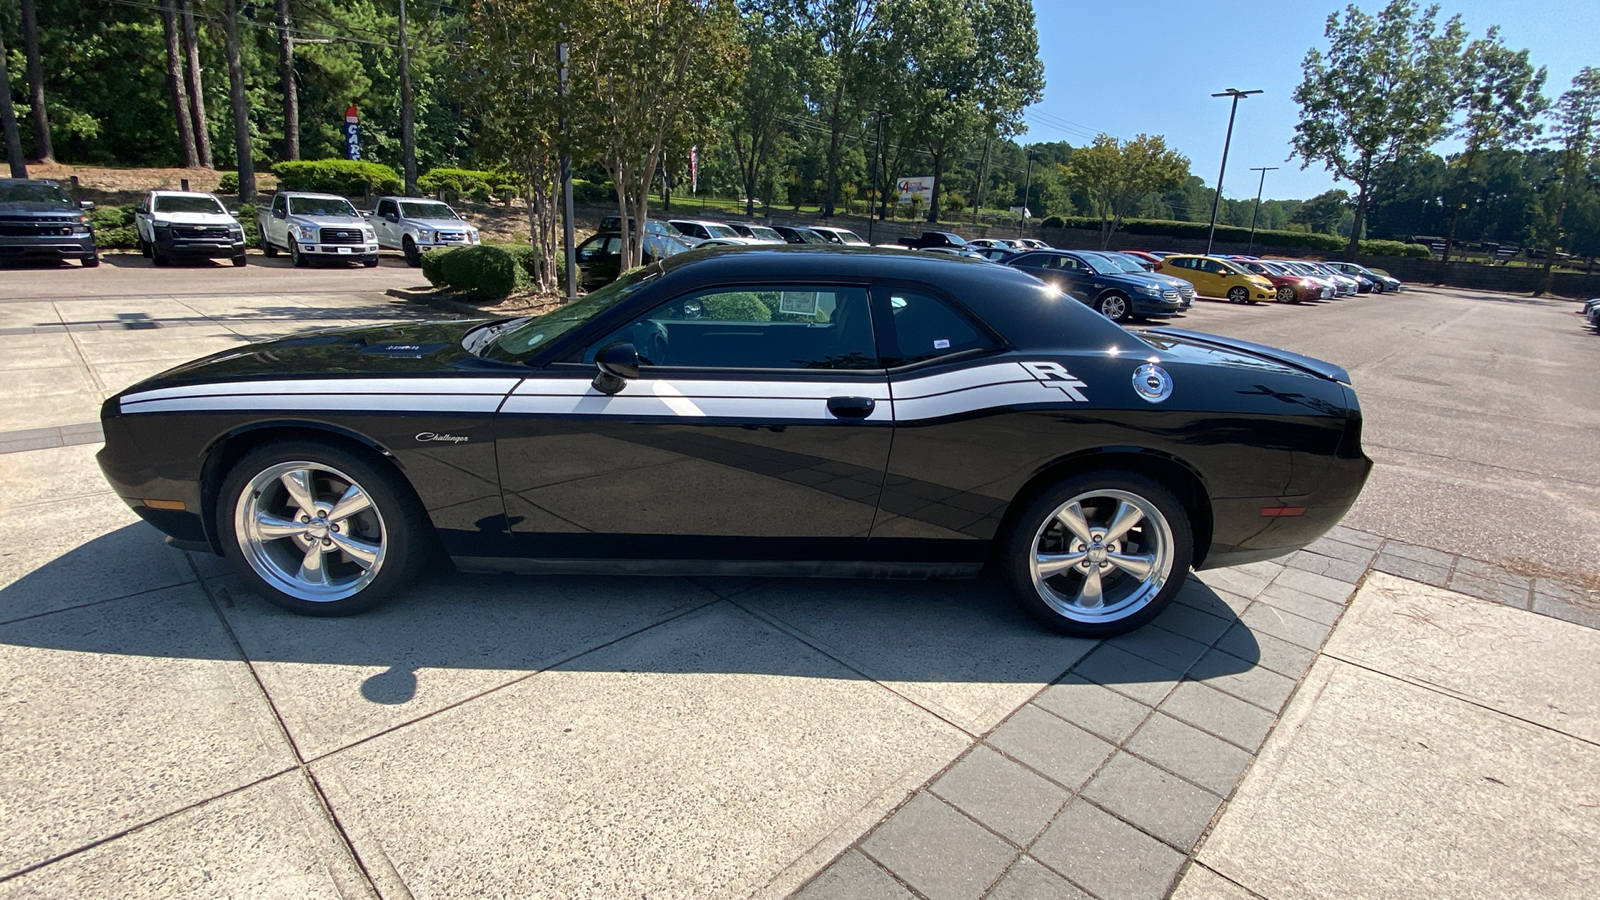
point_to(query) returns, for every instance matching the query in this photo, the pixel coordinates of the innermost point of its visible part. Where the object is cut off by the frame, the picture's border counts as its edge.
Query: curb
(432, 298)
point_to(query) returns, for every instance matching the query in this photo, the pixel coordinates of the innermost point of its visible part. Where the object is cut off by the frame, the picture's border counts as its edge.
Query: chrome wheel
(1102, 556)
(1286, 294)
(1114, 307)
(310, 531)
(1238, 295)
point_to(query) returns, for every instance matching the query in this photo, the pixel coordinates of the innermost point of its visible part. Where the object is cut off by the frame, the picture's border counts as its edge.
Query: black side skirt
(776, 568)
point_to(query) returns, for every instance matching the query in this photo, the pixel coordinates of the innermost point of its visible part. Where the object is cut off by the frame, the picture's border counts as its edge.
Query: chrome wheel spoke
(312, 566)
(1089, 595)
(1071, 518)
(1049, 564)
(269, 527)
(354, 501)
(1138, 565)
(363, 553)
(1127, 516)
(301, 491)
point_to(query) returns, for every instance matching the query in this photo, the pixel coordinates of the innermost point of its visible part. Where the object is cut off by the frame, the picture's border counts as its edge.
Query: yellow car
(1214, 277)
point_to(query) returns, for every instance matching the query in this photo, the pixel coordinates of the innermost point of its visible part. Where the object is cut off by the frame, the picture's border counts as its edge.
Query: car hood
(331, 221)
(194, 218)
(23, 207)
(383, 351)
(1197, 346)
(439, 223)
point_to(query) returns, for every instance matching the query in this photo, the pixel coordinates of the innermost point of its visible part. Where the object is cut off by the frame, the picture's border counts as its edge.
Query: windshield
(808, 236)
(188, 205)
(516, 339)
(720, 231)
(1232, 266)
(35, 192)
(426, 209)
(321, 206)
(1120, 263)
(762, 231)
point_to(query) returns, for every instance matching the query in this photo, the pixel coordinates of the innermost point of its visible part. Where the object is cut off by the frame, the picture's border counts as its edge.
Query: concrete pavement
(164, 732)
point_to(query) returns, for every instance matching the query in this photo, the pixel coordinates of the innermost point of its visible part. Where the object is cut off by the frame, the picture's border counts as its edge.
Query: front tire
(413, 255)
(267, 248)
(1098, 554)
(1238, 295)
(1287, 294)
(92, 262)
(239, 261)
(296, 258)
(1114, 307)
(321, 529)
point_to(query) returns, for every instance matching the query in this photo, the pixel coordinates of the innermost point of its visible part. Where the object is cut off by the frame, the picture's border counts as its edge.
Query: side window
(1180, 263)
(923, 327)
(755, 327)
(388, 208)
(279, 204)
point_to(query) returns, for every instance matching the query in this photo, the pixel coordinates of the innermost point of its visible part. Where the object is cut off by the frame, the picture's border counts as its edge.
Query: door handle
(851, 407)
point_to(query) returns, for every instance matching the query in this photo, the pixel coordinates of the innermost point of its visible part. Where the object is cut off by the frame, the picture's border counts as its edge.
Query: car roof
(165, 193)
(319, 196)
(698, 221)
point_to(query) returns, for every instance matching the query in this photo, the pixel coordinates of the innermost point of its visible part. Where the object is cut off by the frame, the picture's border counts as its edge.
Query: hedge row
(483, 272)
(1233, 233)
(336, 176)
(471, 183)
(113, 227)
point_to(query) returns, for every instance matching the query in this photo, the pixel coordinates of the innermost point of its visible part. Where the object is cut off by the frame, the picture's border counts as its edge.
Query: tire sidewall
(1243, 296)
(1100, 307)
(1017, 547)
(403, 520)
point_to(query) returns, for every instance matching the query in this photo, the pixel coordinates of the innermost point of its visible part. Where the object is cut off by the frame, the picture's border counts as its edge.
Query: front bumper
(1154, 307)
(74, 246)
(199, 248)
(341, 251)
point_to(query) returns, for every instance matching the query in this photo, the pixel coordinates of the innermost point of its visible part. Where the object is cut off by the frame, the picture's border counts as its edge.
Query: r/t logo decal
(1056, 375)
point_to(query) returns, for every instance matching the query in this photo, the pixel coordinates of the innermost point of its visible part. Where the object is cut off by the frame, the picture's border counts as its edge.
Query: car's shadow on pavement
(122, 593)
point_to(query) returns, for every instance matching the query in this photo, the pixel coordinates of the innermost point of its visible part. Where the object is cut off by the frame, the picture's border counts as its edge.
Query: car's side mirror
(617, 363)
(86, 204)
(142, 210)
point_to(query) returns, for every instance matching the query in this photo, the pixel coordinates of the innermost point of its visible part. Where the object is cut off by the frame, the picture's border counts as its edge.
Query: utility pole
(1216, 201)
(566, 174)
(877, 194)
(1257, 214)
(8, 122)
(1027, 188)
(408, 111)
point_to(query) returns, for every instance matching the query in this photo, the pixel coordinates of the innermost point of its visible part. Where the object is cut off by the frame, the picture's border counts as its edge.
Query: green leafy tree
(1118, 174)
(1383, 89)
(1577, 120)
(1325, 212)
(1501, 100)
(772, 96)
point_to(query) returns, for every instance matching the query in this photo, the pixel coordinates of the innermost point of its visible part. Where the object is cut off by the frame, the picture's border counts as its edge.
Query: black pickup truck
(935, 239)
(39, 221)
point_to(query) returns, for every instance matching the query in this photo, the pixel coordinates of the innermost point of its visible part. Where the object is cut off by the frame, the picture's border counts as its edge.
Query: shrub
(485, 271)
(228, 183)
(337, 176)
(477, 184)
(1053, 222)
(744, 306)
(587, 192)
(952, 202)
(526, 256)
(247, 218)
(1394, 248)
(113, 227)
(1233, 233)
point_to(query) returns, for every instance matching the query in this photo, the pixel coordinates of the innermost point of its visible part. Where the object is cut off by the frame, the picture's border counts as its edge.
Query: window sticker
(798, 303)
(941, 344)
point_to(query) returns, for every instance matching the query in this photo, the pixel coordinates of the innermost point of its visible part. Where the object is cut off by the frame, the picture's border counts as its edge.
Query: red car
(1291, 287)
(1148, 257)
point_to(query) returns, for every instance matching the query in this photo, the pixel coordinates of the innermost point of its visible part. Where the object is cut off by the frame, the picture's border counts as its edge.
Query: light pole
(877, 194)
(1257, 214)
(1216, 201)
(1027, 188)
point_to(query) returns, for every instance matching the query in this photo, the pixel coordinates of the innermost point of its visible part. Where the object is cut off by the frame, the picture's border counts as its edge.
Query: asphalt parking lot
(163, 732)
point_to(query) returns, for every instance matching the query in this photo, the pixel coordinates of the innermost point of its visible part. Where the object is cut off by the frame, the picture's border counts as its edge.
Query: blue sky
(1151, 66)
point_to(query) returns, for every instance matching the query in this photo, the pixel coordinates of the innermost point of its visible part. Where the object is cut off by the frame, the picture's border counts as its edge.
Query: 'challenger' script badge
(1056, 375)
(440, 437)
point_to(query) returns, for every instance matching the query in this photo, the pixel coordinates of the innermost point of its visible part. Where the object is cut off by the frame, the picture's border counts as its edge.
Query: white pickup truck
(412, 225)
(316, 226)
(188, 225)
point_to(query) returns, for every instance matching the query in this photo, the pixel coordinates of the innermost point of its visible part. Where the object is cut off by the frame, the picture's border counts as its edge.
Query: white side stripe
(495, 386)
(345, 403)
(944, 382)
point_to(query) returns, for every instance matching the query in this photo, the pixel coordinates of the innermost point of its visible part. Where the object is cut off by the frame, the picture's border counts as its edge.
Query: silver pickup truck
(412, 225)
(316, 226)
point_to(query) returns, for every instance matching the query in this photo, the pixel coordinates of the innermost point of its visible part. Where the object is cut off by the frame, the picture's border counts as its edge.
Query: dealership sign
(921, 186)
(352, 133)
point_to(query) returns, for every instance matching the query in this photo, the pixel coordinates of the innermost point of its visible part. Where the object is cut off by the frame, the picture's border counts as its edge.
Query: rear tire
(327, 560)
(1098, 554)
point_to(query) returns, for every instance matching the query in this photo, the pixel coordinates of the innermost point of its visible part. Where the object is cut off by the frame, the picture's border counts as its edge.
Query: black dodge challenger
(786, 411)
